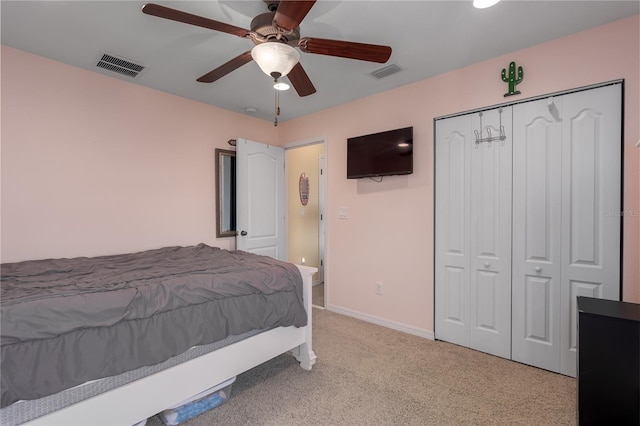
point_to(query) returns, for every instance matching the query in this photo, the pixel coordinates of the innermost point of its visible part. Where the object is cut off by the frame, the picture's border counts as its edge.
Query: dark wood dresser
(608, 362)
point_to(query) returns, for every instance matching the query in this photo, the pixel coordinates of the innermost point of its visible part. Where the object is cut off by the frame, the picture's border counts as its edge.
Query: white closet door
(525, 226)
(591, 188)
(473, 233)
(537, 155)
(452, 157)
(566, 230)
(490, 272)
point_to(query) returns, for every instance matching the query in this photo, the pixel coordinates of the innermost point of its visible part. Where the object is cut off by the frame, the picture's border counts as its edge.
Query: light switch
(343, 213)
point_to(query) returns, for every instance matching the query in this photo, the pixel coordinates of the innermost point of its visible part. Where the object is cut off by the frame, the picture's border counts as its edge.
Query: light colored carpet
(370, 375)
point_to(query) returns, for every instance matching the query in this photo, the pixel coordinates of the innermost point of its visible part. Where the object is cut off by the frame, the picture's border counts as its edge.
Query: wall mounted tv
(380, 154)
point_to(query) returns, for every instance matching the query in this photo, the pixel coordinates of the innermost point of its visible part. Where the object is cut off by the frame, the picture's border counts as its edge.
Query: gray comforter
(67, 321)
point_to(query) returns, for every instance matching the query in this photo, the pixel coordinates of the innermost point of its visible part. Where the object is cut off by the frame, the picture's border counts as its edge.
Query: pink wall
(95, 165)
(389, 234)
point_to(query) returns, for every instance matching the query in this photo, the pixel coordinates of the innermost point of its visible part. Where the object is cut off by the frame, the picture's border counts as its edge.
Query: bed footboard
(304, 352)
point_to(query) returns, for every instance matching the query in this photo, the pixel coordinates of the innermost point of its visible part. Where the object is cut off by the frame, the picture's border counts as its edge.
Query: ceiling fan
(276, 31)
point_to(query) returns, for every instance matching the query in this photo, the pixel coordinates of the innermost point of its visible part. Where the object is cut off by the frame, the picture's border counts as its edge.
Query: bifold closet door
(592, 191)
(566, 229)
(452, 234)
(490, 273)
(473, 232)
(537, 227)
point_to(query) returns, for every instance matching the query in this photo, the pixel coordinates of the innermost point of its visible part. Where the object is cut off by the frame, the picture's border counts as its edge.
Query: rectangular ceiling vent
(119, 65)
(386, 71)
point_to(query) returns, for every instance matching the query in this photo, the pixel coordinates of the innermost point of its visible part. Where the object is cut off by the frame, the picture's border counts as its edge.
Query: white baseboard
(409, 329)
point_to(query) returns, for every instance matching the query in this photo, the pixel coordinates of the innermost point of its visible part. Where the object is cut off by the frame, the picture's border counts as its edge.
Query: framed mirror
(225, 193)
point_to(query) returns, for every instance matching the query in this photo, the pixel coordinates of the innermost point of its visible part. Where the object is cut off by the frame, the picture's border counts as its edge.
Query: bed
(145, 322)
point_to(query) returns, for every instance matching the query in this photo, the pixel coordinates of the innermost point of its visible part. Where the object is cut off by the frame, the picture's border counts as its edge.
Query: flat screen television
(380, 154)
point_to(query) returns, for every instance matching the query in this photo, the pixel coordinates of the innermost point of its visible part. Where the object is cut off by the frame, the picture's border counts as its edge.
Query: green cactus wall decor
(512, 79)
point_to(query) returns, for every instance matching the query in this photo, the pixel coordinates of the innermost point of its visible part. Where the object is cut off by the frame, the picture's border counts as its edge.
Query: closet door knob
(537, 269)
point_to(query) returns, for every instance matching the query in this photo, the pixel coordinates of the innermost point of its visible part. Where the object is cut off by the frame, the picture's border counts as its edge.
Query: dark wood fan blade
(188, 18)
(300, 81)
(290, 13)
(225, 69)
(346, 49)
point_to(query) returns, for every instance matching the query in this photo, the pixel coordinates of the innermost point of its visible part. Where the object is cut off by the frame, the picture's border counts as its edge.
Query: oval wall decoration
(303, 186)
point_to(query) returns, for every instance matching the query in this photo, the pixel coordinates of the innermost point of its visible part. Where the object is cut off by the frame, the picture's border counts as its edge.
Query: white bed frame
(136, 401)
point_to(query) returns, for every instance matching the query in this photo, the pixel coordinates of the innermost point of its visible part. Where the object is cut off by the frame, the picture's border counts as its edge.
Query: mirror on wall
(225, 193)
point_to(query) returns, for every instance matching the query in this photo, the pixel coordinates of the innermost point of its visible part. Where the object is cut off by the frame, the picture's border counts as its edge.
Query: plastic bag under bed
(198, 404)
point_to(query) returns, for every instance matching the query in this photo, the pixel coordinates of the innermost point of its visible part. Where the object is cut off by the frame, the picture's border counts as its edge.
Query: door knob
(487, 264)
(537, 269)
(243, 233)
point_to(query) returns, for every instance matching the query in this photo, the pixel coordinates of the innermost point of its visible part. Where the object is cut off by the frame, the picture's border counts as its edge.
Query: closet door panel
(487, 302)
(453, 139)
(538, 312)
(454, 287)
(590, 205)
(490, 280)
(536, 225)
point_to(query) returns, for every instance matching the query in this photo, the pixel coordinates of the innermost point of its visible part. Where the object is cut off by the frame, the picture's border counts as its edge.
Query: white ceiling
(427, 37)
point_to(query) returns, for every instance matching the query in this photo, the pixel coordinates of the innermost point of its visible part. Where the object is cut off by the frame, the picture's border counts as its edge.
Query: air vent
(386, 71)
(119, 65)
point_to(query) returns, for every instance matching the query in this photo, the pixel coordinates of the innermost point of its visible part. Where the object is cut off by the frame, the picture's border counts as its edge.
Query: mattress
(69, 321)
(24, 411)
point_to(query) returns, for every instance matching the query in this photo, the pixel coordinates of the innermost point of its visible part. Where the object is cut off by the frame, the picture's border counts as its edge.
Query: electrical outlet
(379, 287)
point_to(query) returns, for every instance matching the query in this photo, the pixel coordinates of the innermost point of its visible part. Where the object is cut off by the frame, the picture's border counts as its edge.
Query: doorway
(306, 182)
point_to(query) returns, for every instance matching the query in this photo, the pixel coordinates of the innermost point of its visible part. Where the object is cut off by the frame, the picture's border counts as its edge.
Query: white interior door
(454, 140)
(260, 193)
(591, 187)
(473, 232)
(566, 235)
(490, 268)
(537, 159)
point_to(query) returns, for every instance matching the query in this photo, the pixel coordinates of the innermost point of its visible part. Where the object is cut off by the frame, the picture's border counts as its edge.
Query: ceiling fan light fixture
(275, 59)
(281, 86)
(483, 4)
